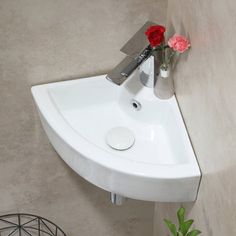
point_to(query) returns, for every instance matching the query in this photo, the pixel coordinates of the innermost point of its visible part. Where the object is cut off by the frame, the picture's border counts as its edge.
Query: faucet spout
(125, 68)
(137, 61)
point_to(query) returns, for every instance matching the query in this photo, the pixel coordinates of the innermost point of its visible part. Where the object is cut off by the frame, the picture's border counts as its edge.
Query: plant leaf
(180, 215)
(194, 232)
(171, 227)
(185, 226)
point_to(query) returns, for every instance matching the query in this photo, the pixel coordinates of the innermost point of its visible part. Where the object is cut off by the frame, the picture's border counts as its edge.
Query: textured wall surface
(50, 40)
(206, 89)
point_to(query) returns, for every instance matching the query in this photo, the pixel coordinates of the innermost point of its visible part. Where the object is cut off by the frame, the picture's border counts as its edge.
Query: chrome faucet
(139, 56)
(127, 71)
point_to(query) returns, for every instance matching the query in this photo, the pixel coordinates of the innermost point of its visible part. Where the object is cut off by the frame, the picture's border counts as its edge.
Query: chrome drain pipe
(116, 199)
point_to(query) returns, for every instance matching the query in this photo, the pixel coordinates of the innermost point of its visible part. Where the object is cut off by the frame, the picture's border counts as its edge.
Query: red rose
(155, 34)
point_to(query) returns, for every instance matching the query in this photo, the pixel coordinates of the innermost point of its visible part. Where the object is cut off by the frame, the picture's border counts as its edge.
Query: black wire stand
(28, 225)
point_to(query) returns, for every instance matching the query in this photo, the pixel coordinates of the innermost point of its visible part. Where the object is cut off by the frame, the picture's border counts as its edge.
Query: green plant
(183, 229)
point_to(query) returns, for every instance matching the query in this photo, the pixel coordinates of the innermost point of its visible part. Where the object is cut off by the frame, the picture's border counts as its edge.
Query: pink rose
(179, 43)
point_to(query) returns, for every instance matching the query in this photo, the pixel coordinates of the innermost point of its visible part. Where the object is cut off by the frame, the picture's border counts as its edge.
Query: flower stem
(170, 57)
(163, 53)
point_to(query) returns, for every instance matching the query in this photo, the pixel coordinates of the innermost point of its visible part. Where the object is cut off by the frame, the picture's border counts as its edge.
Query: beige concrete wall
(50, 40)
(205, 80)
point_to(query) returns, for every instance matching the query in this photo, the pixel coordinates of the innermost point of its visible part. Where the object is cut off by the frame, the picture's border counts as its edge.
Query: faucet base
(146, 82)
(147, 73)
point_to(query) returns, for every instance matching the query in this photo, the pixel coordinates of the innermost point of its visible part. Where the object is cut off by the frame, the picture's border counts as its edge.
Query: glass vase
(164, 88)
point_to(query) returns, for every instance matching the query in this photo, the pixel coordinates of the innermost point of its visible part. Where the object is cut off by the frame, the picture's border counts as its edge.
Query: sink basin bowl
(159, 166)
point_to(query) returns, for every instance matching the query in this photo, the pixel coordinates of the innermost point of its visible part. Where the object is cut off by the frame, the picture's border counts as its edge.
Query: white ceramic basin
(160, 166)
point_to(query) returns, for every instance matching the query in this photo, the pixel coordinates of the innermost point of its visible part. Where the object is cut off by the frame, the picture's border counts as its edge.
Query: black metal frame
(28, 224)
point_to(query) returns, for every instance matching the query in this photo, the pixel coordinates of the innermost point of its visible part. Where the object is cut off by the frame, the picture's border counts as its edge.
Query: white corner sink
(159, 166)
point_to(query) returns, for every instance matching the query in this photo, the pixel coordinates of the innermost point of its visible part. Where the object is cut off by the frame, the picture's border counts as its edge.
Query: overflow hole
(136, 105)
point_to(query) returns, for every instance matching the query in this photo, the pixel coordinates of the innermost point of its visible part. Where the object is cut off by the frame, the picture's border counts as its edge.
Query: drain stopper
(120, 138)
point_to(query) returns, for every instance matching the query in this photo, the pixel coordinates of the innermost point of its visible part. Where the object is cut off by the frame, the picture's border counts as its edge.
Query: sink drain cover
(120, 138)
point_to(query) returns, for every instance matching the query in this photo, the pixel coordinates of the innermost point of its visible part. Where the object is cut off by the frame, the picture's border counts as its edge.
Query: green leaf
(194, 232)
(185, 226)
(179, 233)
(171, 227)
(180, 215)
